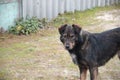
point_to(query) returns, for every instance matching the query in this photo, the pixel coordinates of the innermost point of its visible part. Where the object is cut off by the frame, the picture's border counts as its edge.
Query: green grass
(83, 18)
(16, 50)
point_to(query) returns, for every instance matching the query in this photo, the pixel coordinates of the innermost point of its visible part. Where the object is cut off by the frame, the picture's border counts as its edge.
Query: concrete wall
(9, 11)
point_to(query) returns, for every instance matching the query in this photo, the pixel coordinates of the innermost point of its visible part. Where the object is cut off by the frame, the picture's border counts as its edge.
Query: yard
(41, 56)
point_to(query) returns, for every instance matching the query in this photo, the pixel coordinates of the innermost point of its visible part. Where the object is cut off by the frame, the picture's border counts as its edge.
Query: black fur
(91, 50)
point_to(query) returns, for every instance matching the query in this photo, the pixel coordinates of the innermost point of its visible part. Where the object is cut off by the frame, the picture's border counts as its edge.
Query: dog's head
(69, 35)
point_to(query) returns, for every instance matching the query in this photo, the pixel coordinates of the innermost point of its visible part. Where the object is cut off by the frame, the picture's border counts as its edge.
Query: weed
(28, 26)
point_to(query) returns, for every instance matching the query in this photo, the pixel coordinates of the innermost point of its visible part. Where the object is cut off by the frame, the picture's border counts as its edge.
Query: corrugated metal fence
(51, 8)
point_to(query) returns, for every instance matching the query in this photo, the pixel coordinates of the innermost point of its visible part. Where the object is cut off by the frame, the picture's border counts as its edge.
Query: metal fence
(51, 8)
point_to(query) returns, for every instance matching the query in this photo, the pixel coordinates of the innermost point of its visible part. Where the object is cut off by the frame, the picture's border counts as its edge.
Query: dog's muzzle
(67, 46)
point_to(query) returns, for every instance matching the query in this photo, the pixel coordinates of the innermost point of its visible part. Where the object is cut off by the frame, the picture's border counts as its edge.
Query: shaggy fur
(90, 50)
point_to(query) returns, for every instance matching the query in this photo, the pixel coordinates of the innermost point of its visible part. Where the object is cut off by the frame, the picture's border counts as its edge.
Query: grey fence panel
(81, 5)
(36, 5)
(89, 4)
(43, 11)
(55, 8)
(51, 8)
(107, 2)
(61, 6)
(24, 8)
(94, 3)
(30, 8)
(99, 2)
(84, 5)
(66, 5)
(116, 1)
(112, 1)
(77, 5)
(72, 5)
(103, 3)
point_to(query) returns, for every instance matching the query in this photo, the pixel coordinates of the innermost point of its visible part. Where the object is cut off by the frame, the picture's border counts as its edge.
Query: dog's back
(105, 45)
(113, 35)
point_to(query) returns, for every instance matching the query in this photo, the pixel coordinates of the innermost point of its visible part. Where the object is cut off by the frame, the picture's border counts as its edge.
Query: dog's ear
(76, 28)
(62, 28)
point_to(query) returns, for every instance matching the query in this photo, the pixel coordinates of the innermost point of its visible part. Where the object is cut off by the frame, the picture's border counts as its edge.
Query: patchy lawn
(41, 56)
(83, 18)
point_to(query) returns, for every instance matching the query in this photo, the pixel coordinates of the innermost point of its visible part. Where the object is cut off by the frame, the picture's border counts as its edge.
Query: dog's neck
(84, 35)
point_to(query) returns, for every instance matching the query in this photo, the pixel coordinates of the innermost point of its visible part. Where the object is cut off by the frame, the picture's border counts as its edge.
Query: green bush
(25, 27)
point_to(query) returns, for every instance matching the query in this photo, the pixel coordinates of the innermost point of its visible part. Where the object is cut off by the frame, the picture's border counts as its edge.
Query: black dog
(90, 50)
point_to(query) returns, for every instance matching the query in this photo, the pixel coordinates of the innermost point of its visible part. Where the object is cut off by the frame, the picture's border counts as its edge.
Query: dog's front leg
(83, 72)
(93, 73)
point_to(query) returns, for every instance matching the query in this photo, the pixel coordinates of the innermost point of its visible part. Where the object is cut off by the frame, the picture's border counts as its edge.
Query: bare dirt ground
(41, 56)
(108, 20)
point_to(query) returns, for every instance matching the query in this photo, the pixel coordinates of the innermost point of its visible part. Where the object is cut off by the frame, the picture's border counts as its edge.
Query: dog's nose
(67, 46)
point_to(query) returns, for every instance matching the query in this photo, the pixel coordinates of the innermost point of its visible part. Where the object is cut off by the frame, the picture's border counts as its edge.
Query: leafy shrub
(26, 27)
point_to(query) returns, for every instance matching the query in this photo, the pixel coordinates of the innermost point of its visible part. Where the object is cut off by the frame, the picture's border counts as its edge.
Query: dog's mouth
(69, 46)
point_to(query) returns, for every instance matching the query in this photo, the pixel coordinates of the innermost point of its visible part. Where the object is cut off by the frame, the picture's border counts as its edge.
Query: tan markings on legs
(94, 73)
(83, 73)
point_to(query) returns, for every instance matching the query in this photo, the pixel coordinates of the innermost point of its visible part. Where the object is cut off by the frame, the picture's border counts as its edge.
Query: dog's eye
(72, 36)
(64, 36)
